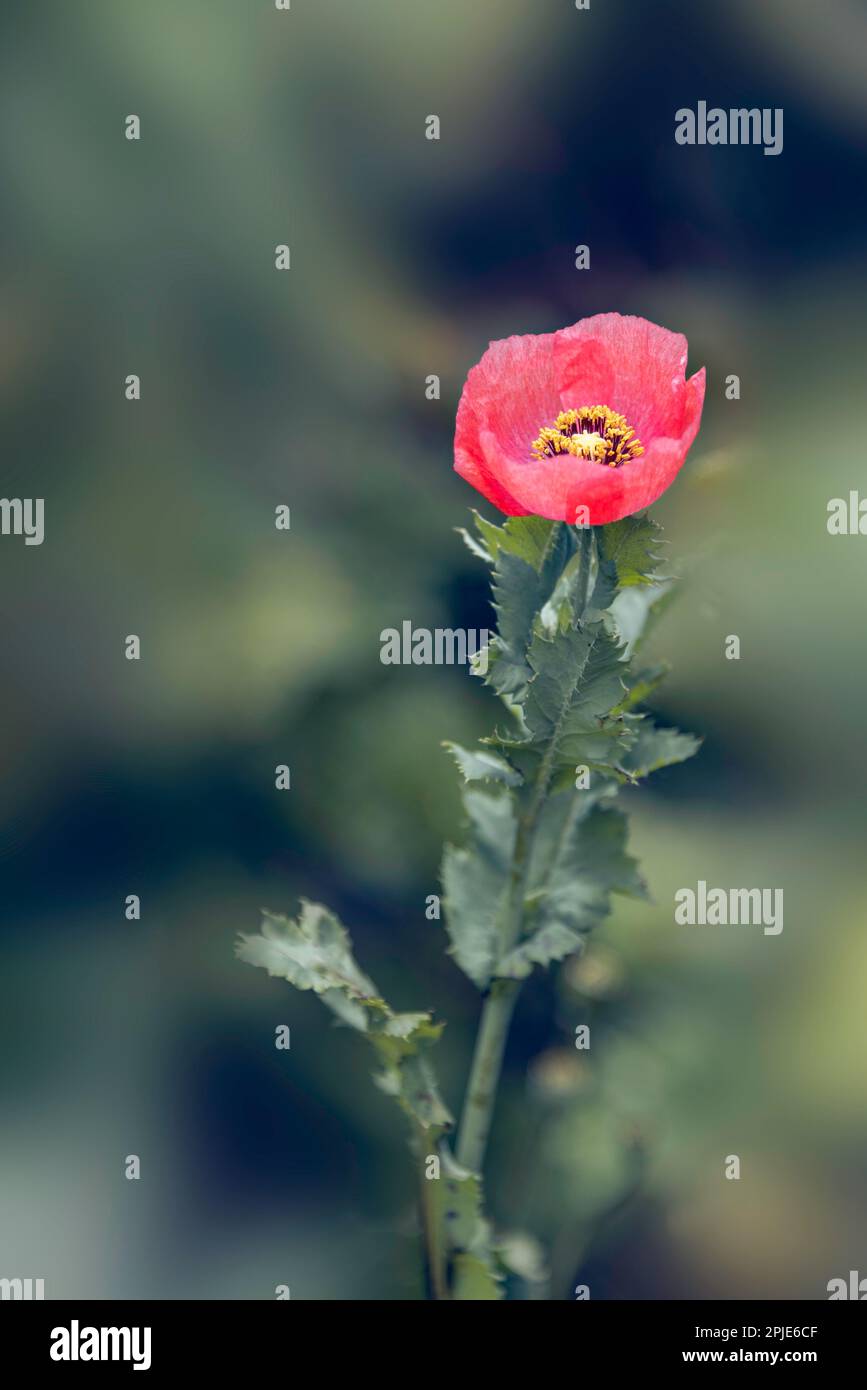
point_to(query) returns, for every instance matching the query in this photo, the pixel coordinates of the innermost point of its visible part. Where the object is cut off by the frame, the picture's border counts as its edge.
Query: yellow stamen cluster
(592, 432)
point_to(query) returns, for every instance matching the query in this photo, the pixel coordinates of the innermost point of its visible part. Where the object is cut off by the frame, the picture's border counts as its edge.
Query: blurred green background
(261, 647)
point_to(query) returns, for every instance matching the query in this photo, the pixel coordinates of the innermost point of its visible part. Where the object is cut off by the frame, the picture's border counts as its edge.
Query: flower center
(592, 432)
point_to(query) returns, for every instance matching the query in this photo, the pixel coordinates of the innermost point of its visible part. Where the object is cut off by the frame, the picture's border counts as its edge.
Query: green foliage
(475, 880)
(314, 952)
(579, 859)
(525, 537)
(572, 608)
(654, 748)
(481, 765)
(472, 1271)
(577, 682)
(543, 851)
(628, 554)
(642, 683)
(528, 556)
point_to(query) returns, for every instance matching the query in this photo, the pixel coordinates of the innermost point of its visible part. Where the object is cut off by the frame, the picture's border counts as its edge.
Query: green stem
(433, 1243)
(502, 996)
(500, 1000)
(487, 1064)
(588, 537)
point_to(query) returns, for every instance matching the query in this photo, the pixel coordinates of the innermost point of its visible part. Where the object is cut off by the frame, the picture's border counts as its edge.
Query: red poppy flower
(597, 416)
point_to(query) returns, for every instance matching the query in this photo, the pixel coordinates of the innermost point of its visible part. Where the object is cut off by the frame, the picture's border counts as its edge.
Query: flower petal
(471, 464)
(647, 366)
(513, 390)
(520, 385)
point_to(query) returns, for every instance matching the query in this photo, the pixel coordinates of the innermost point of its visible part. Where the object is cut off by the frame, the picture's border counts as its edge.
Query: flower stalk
(500, 1000)
(478, 1111)
(432, 1235)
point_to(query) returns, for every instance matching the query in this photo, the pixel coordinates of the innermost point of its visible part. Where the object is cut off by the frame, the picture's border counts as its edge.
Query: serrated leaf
(636, 609)
(577, 681)
(564, 609)
(520, 592)
(654, 748)
(633, 546)
(628, 554)
(579, 860)
(641, 684)
(480, 765)
(473, 1272)
(550, 942)
(314, 953)
(411, 1082)
(480, 551)
(475, 879)
(526, 537)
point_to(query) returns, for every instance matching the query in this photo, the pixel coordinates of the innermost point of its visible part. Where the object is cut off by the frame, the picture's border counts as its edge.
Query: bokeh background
(259, 647)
